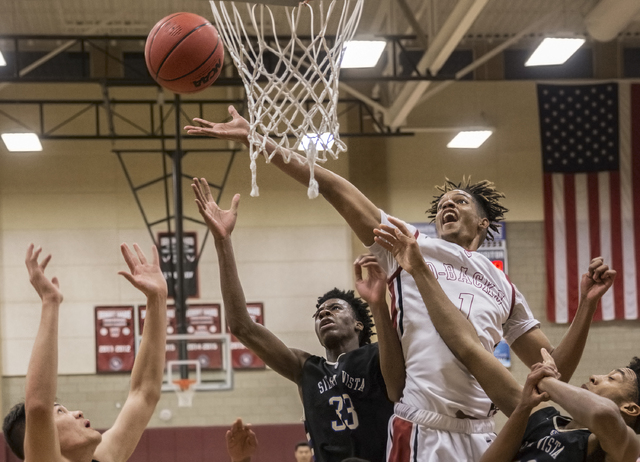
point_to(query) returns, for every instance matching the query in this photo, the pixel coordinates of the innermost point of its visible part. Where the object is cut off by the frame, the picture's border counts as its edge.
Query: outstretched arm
(373, 290)
(456, 331)
(358, 211)
(119, 442)
(41, 442)
(567, 354)
(241, 442)
(285, 361)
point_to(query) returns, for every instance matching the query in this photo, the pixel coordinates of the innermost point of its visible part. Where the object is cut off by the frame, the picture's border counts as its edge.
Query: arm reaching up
(593, 285)
(241, 442)
(285, 361)
(119, 442)
(41, 441)
(456, 331)
(373, 290)
(358, 211)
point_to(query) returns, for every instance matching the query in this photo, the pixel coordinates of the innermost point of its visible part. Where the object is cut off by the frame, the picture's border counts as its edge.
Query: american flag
(590, 138)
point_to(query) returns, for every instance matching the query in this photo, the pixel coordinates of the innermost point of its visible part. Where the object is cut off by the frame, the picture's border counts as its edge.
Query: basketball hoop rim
(184, 384)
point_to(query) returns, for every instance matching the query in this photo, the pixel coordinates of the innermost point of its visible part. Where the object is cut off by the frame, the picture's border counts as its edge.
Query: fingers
(235, 202)
(203, 122)
(399, 225)
(233, 112)
(128, 256)
(156, 257)
(358, 270)
(206, 190)
(196, 190)
(45, 262)
(141, 256)
(128, 277)
(55, 282)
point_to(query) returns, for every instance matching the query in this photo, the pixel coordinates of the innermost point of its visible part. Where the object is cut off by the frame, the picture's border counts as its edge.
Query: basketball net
(185, 389)
(300, 97)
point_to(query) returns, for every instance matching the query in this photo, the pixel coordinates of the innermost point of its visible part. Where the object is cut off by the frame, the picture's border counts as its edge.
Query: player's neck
(470, 244)
(333, 352)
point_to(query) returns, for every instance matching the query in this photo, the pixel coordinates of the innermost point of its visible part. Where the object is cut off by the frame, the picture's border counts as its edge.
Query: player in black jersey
(40, 430)
(346, 402)
(605, 411)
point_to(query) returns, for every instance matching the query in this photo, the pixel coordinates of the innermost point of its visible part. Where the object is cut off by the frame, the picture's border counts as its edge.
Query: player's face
(74, 431)
(618, 385)
(458, 220)
(303, 454)
(335, 322)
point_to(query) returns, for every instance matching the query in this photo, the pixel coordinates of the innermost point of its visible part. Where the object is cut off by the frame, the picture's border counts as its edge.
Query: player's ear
(483, 223)
(359, 326)
(630, 409)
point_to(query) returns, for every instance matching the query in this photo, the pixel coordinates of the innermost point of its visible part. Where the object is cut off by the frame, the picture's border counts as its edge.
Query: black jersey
(346, 406)
(545, 439)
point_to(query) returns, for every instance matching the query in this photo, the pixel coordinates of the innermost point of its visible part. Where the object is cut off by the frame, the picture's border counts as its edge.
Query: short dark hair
(485, 194)
(634, 365)
(13, 428)
(360, 309)
(302, 443)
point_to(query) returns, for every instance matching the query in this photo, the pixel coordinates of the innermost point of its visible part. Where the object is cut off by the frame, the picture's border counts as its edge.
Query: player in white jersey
(456, 426)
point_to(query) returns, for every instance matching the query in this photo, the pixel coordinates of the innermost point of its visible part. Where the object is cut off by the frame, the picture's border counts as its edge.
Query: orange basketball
(184, 53)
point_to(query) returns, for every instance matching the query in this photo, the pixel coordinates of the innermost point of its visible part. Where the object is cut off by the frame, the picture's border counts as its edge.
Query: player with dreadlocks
(444, 414)
(347, 404)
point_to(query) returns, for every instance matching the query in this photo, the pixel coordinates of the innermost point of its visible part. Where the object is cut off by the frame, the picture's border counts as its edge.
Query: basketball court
(116, 165)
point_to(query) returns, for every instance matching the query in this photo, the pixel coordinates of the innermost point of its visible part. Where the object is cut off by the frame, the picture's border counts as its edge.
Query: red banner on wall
(201, 319)
(115, 339)
(241, 356)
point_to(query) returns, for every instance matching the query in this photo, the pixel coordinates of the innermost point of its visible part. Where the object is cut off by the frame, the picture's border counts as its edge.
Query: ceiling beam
(453, 30)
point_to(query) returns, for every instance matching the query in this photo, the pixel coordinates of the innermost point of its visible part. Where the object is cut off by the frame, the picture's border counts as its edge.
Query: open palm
(236, 130)
(220, 222)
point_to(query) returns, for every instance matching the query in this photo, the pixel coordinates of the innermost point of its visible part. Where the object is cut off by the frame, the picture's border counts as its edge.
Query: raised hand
(373, 289)
(236, 130)
(220, 222)
(531, 396)
(596, 281)
(401, 243)
(241, 441)
(48, 290)
(549, 362)
(144, 276)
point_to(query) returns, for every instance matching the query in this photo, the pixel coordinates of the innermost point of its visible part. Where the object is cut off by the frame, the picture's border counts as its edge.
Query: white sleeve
(520, 320)
(385, 258)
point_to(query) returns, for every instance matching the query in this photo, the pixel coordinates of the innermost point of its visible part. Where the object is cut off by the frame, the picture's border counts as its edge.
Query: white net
(185, 390)
(291, 84)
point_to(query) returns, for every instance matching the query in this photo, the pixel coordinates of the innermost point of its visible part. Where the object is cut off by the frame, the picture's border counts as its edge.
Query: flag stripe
(628, 273)
(594, 228)
(582, 225)
(560, 249)
(616, 243)
(608, 312)
(571, 244)
(635, 156)
(549, 247)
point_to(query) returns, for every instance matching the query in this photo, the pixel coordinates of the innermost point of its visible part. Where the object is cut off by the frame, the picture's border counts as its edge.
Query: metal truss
(119, 60)
(143, 119)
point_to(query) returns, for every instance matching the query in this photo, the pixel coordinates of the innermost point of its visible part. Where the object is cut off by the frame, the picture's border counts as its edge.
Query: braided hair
(485, 194)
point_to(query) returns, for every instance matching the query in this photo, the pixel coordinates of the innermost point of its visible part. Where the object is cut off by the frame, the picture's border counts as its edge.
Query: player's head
(303, 452)
(463, 211)
(13, 429)
(74, 431)
(622, 386)
(340, 315)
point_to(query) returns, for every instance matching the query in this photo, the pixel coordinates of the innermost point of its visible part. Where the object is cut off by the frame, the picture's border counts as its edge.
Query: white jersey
(436, 381)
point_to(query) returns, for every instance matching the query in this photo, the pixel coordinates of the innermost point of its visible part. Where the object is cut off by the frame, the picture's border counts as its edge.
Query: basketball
(184, 53)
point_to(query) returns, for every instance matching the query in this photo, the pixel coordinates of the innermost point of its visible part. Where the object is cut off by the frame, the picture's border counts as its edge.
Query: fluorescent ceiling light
(22, 142)
(469, 139)
(326, 139)
(2, 60)
(362, 53)
(554, 51)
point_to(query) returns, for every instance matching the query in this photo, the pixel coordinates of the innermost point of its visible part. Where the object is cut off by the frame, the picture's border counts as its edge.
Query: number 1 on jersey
(465, 304)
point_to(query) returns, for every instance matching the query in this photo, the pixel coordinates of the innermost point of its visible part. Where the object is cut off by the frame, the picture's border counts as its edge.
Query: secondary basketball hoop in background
(298, 93)
(185, 390)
